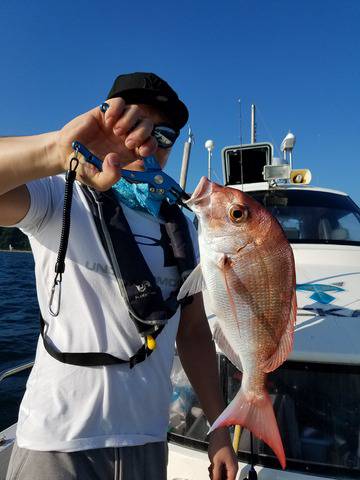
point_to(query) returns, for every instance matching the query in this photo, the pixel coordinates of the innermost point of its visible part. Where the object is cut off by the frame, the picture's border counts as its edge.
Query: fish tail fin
(257, 415)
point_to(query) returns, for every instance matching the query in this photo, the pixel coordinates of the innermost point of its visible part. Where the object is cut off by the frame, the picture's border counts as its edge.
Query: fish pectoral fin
(286, 342)
(195, 283)
(224, 345)
(224, 262)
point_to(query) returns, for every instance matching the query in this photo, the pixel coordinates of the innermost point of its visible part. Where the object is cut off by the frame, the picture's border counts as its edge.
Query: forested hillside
(13, 237)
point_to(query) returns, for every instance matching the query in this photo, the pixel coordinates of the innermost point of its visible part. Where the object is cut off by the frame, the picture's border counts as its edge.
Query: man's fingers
(131, 117)
(111, 172)
(116, 109)
(140, 134)
(148, 148)
(222, 471)
(217, 472)
(127, 125)
(105, 179)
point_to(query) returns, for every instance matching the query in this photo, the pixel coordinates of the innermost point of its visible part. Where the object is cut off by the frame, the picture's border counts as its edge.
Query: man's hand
(223, 461)
(118, 137)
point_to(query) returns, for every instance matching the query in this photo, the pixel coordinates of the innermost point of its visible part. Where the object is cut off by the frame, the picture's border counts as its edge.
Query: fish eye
(238, 213)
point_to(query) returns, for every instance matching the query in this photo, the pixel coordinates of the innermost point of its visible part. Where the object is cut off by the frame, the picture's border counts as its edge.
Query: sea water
(19, 328)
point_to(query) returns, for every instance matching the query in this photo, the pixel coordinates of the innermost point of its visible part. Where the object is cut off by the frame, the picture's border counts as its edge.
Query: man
(95, 420)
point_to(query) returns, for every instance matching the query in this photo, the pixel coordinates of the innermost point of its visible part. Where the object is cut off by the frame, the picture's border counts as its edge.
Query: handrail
(14, 370)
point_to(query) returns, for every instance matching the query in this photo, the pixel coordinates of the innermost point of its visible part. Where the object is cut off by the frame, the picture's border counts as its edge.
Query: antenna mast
(209, 145)
(185, 160)
(253, 124)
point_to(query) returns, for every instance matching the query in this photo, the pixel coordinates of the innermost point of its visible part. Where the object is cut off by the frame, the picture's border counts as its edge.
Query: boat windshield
(312, 216)
(317, 410)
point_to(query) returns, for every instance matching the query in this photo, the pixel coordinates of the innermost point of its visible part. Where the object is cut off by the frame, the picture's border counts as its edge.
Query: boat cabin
(316, 392)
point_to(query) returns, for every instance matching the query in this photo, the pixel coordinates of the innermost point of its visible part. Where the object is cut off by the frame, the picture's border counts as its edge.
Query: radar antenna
(287, 145)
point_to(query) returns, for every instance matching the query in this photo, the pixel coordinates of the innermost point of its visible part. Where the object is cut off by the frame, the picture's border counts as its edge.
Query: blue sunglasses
(165, 136)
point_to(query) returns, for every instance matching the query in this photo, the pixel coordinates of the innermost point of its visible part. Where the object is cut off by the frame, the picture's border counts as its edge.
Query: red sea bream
(247, 267)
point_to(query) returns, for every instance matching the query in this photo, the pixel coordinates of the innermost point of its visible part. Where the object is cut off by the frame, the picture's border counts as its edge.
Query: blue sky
(298, 61)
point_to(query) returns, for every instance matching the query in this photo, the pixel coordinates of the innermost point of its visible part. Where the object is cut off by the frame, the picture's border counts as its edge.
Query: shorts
(125, 463)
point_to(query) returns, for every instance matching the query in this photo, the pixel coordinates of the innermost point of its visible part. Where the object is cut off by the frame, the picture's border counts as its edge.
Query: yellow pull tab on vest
(150, 342)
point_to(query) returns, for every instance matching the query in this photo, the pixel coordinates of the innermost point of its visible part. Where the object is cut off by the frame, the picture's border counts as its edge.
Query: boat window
(317, 410)
(318, 413)
(314, 217)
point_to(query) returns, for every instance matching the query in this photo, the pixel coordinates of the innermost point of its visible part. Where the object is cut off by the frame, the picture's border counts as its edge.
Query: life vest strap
(95, 359)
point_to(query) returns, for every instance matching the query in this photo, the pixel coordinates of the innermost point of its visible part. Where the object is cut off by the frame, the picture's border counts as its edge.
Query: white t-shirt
(67, 407)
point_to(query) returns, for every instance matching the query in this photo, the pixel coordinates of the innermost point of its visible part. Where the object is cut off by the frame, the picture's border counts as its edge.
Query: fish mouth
(201, 192)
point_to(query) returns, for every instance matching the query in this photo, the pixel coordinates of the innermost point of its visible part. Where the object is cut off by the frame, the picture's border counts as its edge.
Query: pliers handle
(89, 157)
(160, 183)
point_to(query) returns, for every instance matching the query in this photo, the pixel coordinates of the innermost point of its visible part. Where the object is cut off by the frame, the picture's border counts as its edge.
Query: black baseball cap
(148, 88)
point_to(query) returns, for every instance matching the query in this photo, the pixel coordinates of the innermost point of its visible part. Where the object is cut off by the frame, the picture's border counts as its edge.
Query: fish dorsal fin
(225, 347)
(286, 342)
(193, 284)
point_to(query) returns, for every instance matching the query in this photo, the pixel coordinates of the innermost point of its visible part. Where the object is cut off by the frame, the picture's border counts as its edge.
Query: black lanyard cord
(64, 238)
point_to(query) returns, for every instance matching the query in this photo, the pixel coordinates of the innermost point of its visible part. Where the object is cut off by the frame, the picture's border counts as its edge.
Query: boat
(316, 392)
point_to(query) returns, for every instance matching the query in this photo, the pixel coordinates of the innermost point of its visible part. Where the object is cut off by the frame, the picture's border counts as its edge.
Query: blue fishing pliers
(160, 184)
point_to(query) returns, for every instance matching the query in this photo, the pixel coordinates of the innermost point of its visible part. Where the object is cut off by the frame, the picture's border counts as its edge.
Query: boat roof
(253, 187)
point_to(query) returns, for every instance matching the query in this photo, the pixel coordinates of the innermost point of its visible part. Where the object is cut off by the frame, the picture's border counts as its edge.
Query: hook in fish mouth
(201, 192)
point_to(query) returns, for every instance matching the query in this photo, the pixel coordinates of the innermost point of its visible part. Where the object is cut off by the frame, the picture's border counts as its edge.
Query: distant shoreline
(15, 251)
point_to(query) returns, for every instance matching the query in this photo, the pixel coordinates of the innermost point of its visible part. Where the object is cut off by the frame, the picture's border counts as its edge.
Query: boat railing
(12, 371)
(9, 373)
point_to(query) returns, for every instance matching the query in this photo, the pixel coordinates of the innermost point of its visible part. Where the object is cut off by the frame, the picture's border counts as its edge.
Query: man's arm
(23, 159)
(198, 357)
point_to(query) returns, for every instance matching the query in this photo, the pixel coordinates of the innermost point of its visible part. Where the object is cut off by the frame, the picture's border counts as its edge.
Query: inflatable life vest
(147, 308)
